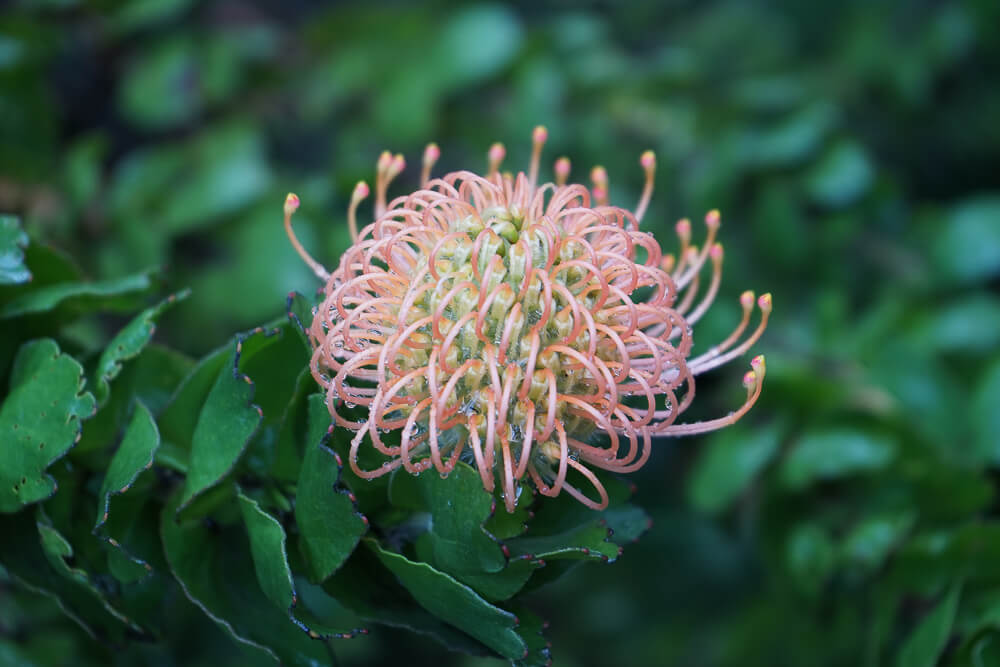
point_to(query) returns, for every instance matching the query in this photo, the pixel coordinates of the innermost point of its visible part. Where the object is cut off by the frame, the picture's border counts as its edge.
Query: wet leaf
(39, 421)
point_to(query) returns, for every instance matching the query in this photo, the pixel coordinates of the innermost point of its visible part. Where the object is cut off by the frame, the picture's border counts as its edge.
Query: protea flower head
(528, 329)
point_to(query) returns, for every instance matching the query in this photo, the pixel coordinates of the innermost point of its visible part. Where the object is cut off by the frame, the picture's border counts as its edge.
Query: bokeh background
(853, 148)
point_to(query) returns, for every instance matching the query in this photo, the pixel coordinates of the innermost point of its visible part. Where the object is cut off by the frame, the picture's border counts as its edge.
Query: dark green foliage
(186, 503)
(189, 474)
(40, 420)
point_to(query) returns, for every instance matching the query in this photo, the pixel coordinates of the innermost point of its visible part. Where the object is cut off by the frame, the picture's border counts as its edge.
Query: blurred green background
(853, 148)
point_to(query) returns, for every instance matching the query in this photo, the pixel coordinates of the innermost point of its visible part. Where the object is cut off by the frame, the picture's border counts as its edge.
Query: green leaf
(157, 90)
(300, 314)
(151, 378)
(180, 417)
(459, 507)
(225, 169)
(926, 642)
(134, 456)
(724, 470)
(531, 628)
(39, 421)
(34, 554)
(75, 298)
(792, 140)
(474, 43)
(834, 453)
(985, 416)
(966, 245)
(13, 656)
(13, 270)
(267, 547)
(326, 515)
(842, 176)
(588, 542)
(59, 553)
(504, 525)
(502, 585)
(292, 436)
(275, 373)
(627, 523)
(274, 574)
(128, 343)
(869, 543)
(810, 556)
(969, 326)
(455, 603)
(214, 568)
(226, 422)
(367, 588)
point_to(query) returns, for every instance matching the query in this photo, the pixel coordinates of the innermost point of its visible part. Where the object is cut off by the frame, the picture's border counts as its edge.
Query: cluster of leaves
(133, 472)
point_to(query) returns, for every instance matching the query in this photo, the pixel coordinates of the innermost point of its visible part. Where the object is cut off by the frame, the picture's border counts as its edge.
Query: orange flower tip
(713, 217)
(667, 264)
(431, 153)
(599, 174)
(765, 302)
(361, 191)
(648, 160)
(683, 227)
(692, 253)
(716, 251)
(398, 164)
(750, 380)
(758, 364)
(291, 203)
(497, 153)
(562, 167)
(384, 161)
(540, 134)
(746, 299)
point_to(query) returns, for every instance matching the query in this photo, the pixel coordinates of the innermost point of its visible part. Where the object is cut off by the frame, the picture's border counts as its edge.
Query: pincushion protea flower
(499, 321)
